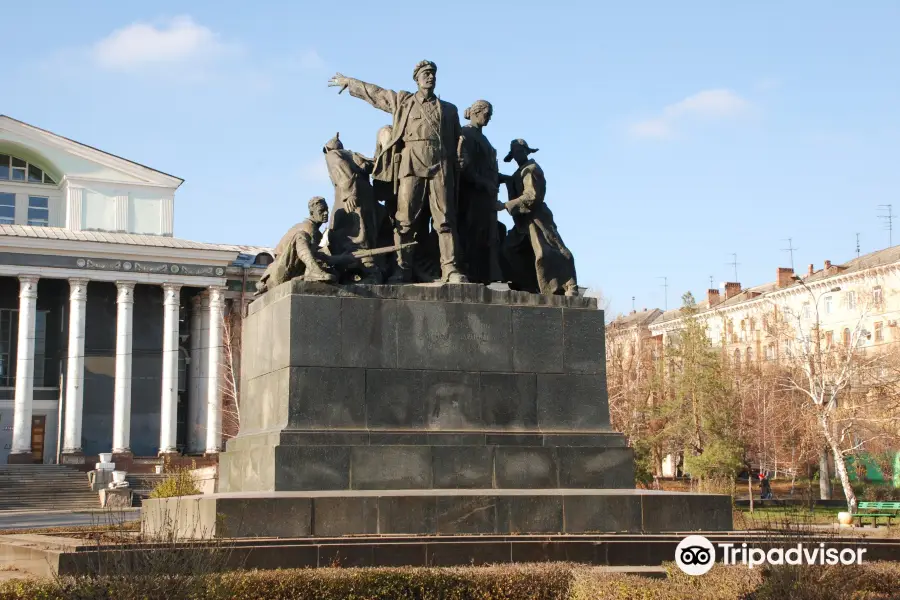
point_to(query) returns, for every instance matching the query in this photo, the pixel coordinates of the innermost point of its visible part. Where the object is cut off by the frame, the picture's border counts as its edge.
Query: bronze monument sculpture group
(429, 211)
(426, 413)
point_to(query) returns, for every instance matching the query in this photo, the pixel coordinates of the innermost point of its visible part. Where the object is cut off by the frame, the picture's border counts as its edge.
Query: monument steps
(44, 487)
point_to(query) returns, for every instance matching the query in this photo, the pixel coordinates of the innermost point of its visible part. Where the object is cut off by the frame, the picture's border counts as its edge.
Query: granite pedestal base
(426, 409)
(435, 512)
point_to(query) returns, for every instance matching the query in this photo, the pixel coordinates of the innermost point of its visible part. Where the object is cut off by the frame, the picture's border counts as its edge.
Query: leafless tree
(851, 392)
(229, 383)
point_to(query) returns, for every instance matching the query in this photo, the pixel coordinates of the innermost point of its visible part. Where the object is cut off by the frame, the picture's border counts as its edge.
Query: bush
(179, 482)
(514, 582)
(873, 581)
(879, 493)
(550, 581)
(721, 583)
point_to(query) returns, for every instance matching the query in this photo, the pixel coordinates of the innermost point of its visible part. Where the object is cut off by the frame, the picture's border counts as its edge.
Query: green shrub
(178, 482)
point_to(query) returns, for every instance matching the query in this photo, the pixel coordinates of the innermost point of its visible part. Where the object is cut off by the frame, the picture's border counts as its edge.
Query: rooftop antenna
(889, 222)
(632, 304)
(734, 263)
(711, 284)
(665, 286)
(790, 249)
(857, 245)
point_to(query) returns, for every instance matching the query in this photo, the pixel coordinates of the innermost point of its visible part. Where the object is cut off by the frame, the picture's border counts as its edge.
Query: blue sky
(672, 134)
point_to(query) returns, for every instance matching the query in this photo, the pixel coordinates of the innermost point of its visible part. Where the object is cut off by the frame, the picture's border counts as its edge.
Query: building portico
(111, 329)
(175, 296)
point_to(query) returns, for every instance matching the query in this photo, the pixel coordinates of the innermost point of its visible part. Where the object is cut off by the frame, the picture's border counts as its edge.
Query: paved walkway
(35, 519)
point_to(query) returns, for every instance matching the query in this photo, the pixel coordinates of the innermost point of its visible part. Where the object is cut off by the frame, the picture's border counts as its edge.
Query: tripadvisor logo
(696, 555)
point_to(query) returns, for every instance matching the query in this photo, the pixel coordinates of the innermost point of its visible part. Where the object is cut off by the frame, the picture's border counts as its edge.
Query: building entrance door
(38, 428)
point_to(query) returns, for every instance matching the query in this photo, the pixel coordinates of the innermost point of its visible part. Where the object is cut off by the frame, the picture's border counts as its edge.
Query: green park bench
(887, 510)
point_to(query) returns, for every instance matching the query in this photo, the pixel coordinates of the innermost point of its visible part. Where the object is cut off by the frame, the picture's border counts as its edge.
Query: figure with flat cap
(423, 146)
(353, 223)
(534, 255)
(297, 254)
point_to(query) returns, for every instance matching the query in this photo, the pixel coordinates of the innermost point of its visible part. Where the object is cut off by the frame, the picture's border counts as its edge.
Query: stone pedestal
(100, 479)
(116, 498)
(427, 402)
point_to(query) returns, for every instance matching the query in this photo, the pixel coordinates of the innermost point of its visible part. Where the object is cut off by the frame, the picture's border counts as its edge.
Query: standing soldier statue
(425, 134)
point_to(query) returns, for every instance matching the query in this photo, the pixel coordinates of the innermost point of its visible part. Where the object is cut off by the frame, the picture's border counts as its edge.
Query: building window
(851, 300)
(7, 208)
(9, 332)
(879, 332)
(38, 211)
(807, 310)
(752, 325)
(19, 167)
(829, 339)
(770, 352)
(846, 337)
(827, 305)
(16, 169)
(737, 358)
(749, 356)
(878, 295)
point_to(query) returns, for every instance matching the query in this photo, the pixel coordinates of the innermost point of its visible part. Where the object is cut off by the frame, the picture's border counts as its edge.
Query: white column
(203, 369)
(196, 402)
(168, 427)
(122, 398)
(21, 443)
(213, 390)
(75, 365)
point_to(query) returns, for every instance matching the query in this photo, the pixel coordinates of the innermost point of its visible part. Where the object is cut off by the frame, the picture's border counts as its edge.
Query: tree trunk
(845, 479)
(840, 466)
(750, 487)
(824, 475)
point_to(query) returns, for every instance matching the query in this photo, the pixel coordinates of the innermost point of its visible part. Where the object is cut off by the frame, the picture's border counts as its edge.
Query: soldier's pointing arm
(378, 97)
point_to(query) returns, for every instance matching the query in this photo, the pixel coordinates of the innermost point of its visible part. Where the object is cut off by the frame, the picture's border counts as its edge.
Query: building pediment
(67, 159)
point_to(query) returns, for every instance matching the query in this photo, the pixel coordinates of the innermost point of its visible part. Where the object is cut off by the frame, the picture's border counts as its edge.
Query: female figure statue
(478, 187)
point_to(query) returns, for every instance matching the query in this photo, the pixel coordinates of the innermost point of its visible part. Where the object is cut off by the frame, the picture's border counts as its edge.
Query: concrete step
(44, 487)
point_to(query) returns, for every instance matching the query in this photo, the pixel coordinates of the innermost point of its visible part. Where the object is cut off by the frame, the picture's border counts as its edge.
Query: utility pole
(665, 286)
(790, 249)
(734, 263)
(889, 221)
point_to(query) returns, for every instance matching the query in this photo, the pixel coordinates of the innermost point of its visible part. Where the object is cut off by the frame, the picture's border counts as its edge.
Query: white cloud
(707, 104)
(179, 40)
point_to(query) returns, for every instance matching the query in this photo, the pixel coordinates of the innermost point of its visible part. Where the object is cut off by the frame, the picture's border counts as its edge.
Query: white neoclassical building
(858, 300)
(111, 330)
